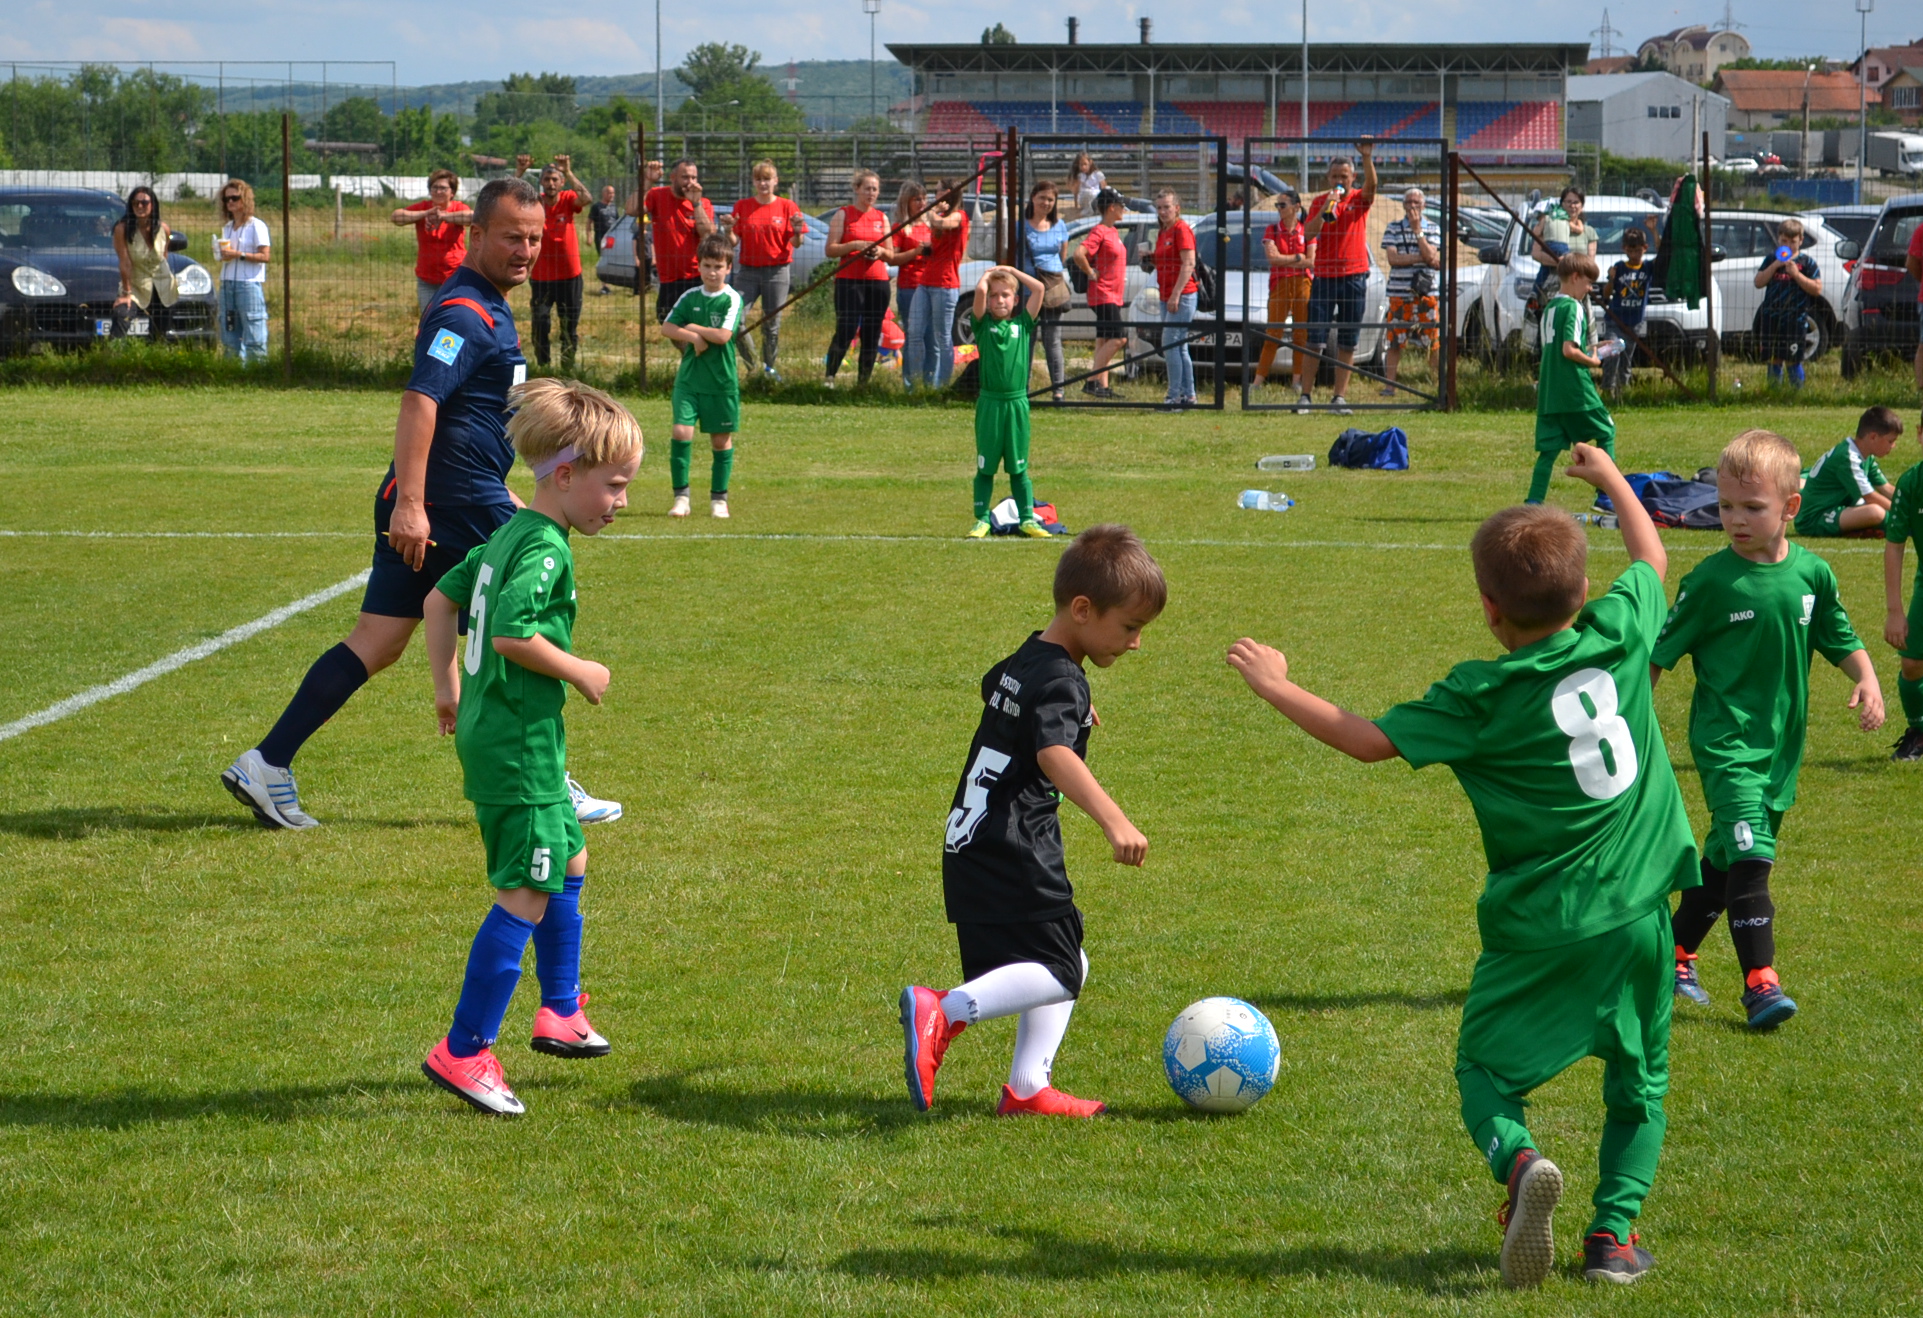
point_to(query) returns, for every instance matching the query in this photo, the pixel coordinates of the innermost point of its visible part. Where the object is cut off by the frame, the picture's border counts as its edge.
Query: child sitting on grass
(1568, 408)
(1557, 745)
(1846, 493)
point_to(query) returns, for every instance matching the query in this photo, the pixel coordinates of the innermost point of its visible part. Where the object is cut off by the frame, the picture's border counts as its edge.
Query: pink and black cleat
(476, 1080)
(567, 1036)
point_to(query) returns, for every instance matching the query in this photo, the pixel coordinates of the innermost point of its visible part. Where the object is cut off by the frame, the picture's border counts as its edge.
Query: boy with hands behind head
(518, 593)
(1007, 302)
(1558, 747)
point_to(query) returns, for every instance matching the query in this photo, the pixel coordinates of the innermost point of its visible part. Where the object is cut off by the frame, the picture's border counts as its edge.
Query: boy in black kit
(1003, 876)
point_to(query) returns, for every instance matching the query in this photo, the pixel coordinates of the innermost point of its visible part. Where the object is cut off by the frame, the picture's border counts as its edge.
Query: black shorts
(1338, 301)
(395, 590)
(1056, 944)
(671, 291)
(1108, 320)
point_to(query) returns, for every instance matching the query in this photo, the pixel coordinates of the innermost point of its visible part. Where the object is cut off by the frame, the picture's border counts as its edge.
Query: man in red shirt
(678, 218)
(555, 284)
(1339, 226)
(440, 232)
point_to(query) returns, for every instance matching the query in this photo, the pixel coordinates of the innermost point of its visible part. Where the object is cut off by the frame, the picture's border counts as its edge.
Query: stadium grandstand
(1497, 104)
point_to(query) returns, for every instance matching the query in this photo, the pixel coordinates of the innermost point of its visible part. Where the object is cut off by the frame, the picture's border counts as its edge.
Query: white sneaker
(1340, 406)
(269, 792)
(588, 809)
(679, 508)
(1303, 404)
(719, 507)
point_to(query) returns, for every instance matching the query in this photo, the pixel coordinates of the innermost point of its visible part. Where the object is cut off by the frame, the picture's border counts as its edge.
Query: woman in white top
(243, 250)
(146, 280)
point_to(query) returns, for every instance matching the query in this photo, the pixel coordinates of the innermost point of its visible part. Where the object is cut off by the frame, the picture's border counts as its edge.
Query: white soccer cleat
(591, 810)
(679, 508)
(719, 507)
(269, 792)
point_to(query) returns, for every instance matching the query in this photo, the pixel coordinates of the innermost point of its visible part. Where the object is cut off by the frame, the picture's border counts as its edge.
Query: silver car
(1747, 238)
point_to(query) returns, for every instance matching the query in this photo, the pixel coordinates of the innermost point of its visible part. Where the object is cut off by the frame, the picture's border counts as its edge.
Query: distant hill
(828, 89)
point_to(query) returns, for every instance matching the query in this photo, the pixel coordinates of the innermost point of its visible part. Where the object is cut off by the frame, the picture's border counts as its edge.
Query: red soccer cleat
(567, 1036)
(926, 1031)
(476, 1080)
(1050, 1102)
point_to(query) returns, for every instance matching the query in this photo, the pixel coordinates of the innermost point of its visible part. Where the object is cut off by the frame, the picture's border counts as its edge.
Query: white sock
(1005, 991)
(1037, 1037)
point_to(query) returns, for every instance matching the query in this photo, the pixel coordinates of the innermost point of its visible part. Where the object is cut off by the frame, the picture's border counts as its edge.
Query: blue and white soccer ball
(1221, 1055)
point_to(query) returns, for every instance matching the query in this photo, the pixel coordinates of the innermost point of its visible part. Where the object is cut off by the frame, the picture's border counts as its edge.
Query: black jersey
(1003, 860)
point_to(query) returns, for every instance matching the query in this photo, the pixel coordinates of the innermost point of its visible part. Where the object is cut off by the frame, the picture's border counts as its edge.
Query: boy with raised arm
(518, 594)
(1749, 618)
(1004, 880)
(1005, 337)
(1557, 745)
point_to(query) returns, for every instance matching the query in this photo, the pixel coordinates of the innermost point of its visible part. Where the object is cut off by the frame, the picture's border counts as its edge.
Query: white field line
(179, 659)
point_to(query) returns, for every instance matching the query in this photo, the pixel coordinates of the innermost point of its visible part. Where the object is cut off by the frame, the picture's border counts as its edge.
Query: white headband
(545, 467)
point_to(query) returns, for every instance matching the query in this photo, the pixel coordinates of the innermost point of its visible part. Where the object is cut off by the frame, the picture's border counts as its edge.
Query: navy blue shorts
(1337, 300)
(396, 590)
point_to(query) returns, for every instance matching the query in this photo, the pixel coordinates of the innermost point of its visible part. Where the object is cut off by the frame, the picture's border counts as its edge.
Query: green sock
(1910, 693)
(723, 468)
(984, 491)
(1625, 1169)
(680, 459)
(1539, 479)
(1024, 491)
(1494, 1121)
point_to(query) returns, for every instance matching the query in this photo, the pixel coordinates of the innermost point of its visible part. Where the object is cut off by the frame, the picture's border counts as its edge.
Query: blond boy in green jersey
(1557, 745)
(707, 387)
(503, 705)
(1749, 617)
(1005, 338)
(1846, 493)
(1568, 408)
(1900, 629)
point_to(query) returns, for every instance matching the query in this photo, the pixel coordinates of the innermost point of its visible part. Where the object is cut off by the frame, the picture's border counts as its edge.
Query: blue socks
(493, 969)
(335, 677)
(557, 949)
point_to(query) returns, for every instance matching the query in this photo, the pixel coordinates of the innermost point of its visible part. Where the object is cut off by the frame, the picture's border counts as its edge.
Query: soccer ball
(1221, 1055)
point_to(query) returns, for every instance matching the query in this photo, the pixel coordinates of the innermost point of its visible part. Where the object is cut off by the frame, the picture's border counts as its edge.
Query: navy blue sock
(335, 676)
(557, 949)
(493, 969)
(1796, 375)
(1775, 371)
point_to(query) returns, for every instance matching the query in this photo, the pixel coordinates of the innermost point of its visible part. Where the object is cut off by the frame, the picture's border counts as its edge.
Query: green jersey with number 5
(1558, 747)
(509, 735)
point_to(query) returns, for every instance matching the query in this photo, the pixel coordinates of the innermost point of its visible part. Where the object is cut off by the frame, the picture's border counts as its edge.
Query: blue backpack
(1387, 451)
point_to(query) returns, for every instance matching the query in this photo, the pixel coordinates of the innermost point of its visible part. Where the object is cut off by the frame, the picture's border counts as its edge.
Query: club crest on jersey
(446, 347)
(1809, 609)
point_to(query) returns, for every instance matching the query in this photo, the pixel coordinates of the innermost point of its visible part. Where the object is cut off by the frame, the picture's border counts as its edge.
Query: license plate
(138, 327)
(1232, 338)
(103, 328)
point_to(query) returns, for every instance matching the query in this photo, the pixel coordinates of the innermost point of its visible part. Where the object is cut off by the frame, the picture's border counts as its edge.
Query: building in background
(1649, 115)
(1883, 63)
(1903, 93)
(1695, 52)
(1773, 98)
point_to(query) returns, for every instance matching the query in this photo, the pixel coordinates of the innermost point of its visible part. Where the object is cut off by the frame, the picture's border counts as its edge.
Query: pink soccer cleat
(567, 1036)
(476, 1080)
(926, 1032)
(1049, 1102)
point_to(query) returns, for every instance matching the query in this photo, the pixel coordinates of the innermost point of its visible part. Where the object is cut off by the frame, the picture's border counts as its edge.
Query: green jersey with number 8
(1558, 748)
(509, 734)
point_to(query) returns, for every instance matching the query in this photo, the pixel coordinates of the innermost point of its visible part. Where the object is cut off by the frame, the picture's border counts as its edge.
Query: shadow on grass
(1307, 1002)
(75, 823)
(121, 1108)
(1050, 1256)
(814, 1113)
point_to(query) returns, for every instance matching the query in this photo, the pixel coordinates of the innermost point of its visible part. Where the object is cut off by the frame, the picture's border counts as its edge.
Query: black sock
(1697, 911)
(1752, 915)
(334, 677)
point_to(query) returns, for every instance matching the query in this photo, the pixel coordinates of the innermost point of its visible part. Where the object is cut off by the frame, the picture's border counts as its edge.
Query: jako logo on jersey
(1809, 609)
(1744, 616)
(446, 347)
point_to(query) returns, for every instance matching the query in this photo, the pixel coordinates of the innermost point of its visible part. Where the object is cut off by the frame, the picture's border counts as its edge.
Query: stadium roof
(1212, 57)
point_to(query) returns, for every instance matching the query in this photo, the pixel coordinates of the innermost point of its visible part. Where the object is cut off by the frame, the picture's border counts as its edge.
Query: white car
(1503, 325)
(1736, 165)
(1747, 238)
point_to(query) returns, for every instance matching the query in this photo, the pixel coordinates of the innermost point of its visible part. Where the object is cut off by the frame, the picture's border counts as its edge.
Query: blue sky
(488, 38)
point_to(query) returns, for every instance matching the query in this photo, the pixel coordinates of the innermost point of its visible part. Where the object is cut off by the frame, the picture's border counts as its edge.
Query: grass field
(212, 1102)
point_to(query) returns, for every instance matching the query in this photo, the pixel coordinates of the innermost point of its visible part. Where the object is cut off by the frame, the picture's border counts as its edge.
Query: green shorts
(708, 412)
(1001, 435)
(1914, 650)
(1530, 1016)
(1744, 830)
(529, 846)
(1820, 522)
(1558, 430)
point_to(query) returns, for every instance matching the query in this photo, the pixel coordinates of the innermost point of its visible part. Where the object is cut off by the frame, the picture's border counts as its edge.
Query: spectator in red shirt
(913, 243)
(1291, 256)
(555, 284)
(440, 233)
(678, 218)
(858, 236)
(1103, 257)
(765, 230)
(1339, 222)
(1174, 263)
(929, 358)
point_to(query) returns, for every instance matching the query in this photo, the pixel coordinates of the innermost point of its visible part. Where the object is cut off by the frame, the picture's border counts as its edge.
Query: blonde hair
(246, 209)
(1765, 456)
(1003, 276)
(763, 169)
(552, 416)
(860, 174)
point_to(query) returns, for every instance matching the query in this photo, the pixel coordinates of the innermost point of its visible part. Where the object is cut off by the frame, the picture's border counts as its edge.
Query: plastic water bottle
(1267, 502)
(1286, 462)
(1605, 520)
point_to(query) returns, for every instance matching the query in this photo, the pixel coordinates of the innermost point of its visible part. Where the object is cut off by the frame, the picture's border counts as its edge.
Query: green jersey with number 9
(1558, 747)
(509, 734)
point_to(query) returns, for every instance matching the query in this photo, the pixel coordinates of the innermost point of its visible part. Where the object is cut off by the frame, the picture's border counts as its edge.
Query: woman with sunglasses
(243, 250)
(146, 280)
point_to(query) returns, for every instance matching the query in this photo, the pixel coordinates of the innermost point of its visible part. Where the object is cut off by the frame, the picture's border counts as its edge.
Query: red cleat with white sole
(476, 1080)
(567, 1036)
(926, 1032)
(1050, 1102)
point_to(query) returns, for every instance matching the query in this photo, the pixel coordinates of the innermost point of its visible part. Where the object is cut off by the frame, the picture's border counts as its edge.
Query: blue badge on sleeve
(446, 347)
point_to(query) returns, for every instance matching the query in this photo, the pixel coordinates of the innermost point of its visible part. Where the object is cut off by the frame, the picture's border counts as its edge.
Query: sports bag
(1690, 505)
(1384, 451)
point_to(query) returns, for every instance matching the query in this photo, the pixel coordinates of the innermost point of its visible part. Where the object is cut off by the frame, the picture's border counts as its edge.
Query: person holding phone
(1793, 283)
(1339, 226)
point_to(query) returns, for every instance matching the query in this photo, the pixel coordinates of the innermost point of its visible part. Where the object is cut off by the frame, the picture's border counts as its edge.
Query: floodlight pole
(1303, 127)
(872, 8)
(660, 96)
(1803, 163)
(1863, 8)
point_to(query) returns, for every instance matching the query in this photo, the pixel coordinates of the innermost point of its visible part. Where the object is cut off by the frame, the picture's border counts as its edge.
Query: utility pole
(872, 8)
(1304, 127)
(1605, 37)
(1803, 154)
(660, 96)
(1863, 8)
